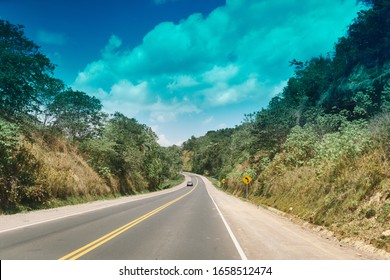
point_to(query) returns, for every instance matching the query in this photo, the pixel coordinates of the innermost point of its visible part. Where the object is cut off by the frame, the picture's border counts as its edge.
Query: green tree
(173, 161)
(23, 71)
(385, 98)
(130, 151)
(299, 146)
(76, 114)
(272, 125)
(18, 171)
(49, 90)
(364, 106)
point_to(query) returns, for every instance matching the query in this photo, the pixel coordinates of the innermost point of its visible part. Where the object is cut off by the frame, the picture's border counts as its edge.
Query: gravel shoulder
(262, 233)
(270, 234)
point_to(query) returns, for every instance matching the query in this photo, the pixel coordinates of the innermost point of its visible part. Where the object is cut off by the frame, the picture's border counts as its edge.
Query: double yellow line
(104, 239)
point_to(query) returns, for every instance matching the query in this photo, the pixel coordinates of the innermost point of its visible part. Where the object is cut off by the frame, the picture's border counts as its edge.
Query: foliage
(129, 151)
(23, 71)
(321, 148)
(18, 171)
(379, 129)
(350, 142)
(385, 98)
(50, 124)
(299, 147)
(76, 114)
(209, 153)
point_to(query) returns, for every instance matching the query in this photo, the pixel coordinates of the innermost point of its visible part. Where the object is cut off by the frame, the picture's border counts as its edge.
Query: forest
(320, 150)
(58, 146)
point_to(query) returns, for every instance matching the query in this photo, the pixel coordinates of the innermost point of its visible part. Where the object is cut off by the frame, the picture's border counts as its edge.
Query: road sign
(223, 181)
(246, 179)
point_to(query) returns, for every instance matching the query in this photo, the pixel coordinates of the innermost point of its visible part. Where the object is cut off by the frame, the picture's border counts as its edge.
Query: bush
(18, 170)
(8, 146)
(348, 143)
(299, 146)
(379, 128)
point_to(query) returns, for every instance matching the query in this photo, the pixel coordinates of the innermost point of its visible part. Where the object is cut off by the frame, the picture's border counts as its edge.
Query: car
(189, 184)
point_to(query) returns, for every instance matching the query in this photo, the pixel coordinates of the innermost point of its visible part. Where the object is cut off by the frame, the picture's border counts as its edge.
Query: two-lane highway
(183, 224)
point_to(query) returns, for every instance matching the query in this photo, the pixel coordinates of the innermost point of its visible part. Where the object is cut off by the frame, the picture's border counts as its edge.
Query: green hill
(57, 145)
(321, 149)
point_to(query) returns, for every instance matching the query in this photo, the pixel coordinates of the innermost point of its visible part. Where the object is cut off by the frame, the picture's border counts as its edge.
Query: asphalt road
(183, 224)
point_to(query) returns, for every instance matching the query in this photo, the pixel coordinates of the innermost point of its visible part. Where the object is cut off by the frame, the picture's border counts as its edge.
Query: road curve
(182, 224)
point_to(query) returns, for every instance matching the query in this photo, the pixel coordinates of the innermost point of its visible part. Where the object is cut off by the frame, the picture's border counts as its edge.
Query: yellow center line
(100, 241)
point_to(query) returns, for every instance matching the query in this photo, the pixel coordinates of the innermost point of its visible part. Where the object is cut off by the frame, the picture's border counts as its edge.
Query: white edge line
(232, 236)
(87, 211)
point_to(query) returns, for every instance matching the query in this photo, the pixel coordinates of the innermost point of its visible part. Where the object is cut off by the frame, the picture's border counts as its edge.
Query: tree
(173, 162)
(77, 114)
(272, 125)
(47, 94)
(19, 170)
(23, 70)
(129, 151)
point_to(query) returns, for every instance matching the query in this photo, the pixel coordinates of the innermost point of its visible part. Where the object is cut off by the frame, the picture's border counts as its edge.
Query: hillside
(57, 145)
(321, 149)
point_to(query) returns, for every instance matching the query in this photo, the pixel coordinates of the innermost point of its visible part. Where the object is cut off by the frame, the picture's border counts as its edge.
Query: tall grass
(343, 182)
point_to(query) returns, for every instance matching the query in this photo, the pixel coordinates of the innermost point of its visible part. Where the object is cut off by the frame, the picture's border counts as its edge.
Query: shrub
(18, 171)
(348, 143)
(379, 128)
(299, 146)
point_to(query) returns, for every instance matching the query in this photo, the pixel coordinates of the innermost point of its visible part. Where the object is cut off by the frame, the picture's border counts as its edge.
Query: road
(182, 224)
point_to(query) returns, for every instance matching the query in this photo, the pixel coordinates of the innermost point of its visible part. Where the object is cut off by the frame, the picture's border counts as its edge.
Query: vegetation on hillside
(321, 149)
(57, 144)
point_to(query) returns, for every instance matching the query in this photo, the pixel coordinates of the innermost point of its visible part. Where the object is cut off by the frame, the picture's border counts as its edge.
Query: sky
(182, 67)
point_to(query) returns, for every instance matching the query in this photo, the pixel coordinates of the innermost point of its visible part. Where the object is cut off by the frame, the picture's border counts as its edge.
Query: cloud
(238, 54)
(125, 90)
(163, 141)
(208, 120)
(51, 38)
(165, 112)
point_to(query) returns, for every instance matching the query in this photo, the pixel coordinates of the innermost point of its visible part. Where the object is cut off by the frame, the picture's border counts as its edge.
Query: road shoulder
(265, 234)
(20, 220)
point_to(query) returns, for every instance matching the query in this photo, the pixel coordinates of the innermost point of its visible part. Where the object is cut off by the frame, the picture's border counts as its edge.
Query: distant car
(190, 184)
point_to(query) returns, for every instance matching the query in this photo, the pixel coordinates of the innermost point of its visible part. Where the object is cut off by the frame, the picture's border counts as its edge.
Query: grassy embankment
(50, 172)
(343, 187)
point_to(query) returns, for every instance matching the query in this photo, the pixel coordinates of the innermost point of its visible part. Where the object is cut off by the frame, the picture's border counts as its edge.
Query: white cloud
(238, 54)
(208, 120)
(165, 112)
(163, 141)
(223, 93)
(182, 81)
(125, 90)
(220, 74)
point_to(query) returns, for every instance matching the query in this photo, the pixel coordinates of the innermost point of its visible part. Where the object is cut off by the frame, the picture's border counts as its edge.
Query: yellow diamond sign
(246, 179)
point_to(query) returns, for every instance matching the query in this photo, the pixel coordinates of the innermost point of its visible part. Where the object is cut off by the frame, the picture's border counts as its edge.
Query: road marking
(132, 199)
(232, 236)
(104, 239)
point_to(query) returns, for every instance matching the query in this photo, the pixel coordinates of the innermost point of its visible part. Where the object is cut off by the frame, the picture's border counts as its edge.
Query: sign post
(223, 181)
(246, 179)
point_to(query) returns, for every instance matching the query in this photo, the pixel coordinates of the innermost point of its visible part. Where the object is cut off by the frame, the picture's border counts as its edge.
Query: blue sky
(182, 67)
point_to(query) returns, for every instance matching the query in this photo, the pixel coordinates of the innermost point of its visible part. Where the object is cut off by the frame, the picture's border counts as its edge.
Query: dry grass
(64, 172)
(351, 198)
